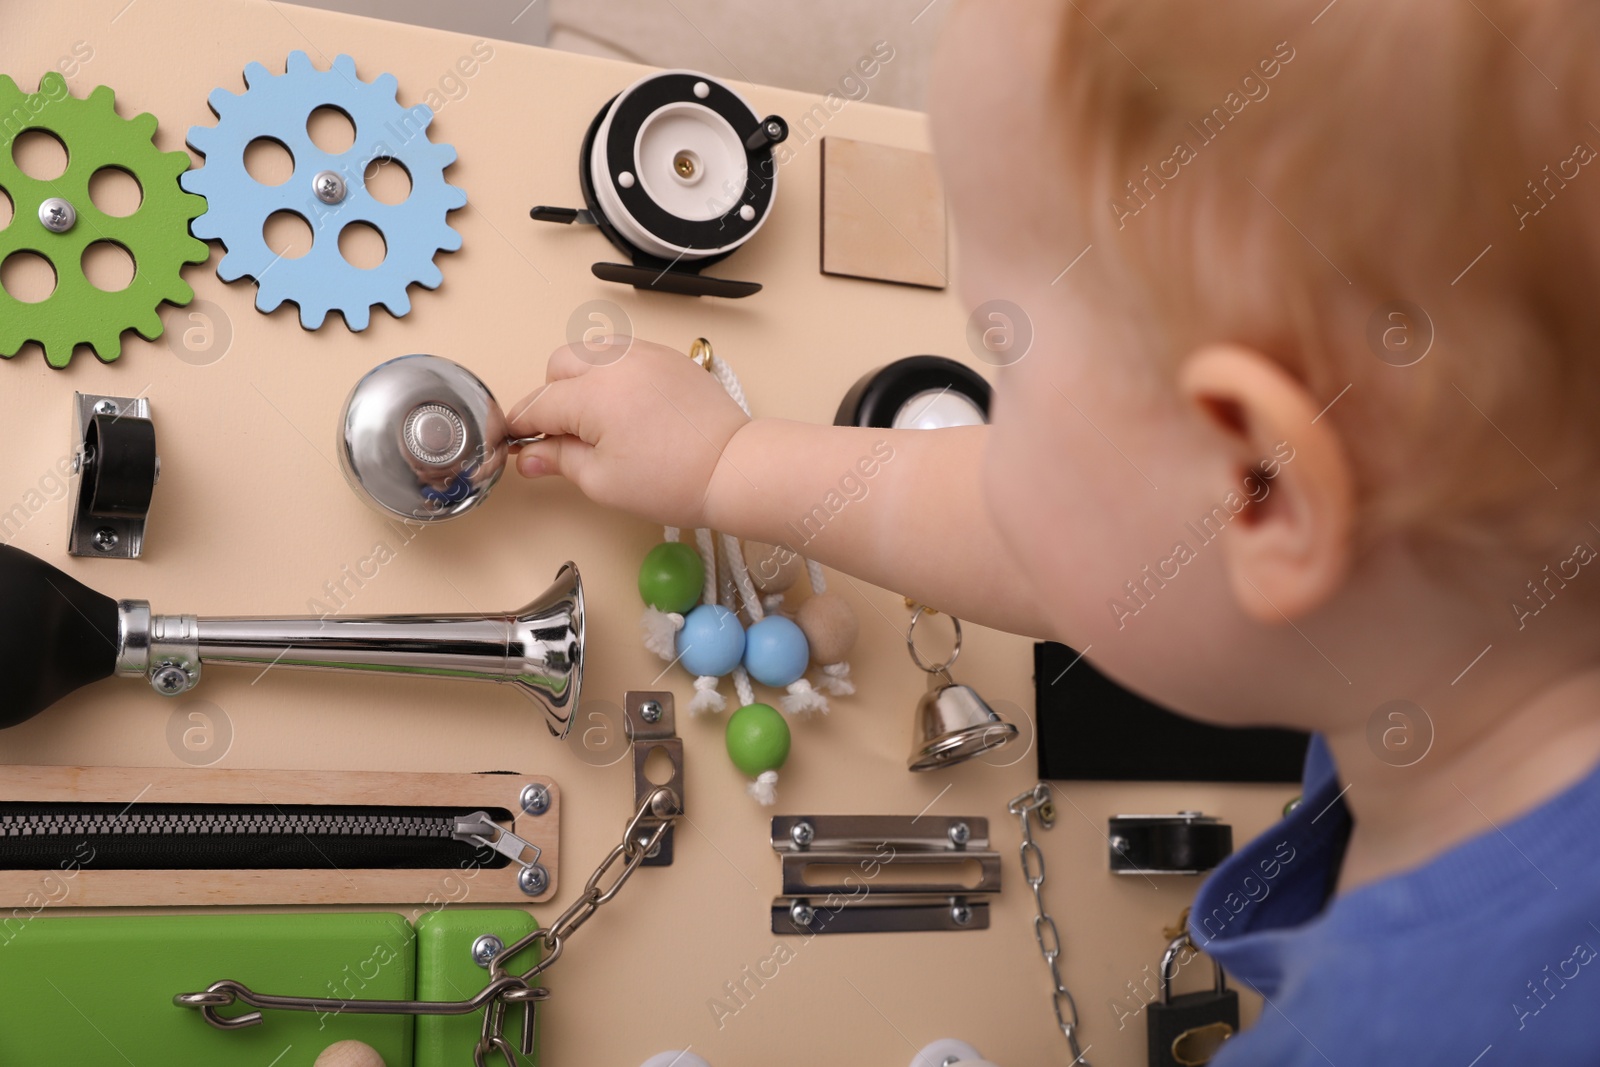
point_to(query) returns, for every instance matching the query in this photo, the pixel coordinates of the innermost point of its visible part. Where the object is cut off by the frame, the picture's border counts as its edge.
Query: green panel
(99, 990)
(447, 971)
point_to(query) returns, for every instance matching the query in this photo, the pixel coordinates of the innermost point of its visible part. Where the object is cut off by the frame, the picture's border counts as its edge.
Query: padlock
(1187, 1030)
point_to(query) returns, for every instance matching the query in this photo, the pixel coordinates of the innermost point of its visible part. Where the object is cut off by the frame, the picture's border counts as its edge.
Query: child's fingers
(572, 361)
(566, 456)
(553, 409)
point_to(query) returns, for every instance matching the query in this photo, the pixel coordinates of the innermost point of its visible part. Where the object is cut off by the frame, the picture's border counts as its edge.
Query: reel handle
(56, 635)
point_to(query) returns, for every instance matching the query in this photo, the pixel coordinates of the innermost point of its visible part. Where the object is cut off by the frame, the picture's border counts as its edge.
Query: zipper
(254, 837)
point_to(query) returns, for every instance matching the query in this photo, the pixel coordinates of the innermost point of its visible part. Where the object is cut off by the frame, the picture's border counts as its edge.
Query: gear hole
(7, 209)
(288, 234)
(109, 266)
(387, 180)
(28, 277)
(269, 161)
(40, 155)
(115, 192)
(362, 245)
(331, 129)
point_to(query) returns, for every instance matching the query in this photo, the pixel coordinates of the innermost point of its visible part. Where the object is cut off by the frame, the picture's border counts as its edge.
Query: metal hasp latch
(114, 459)
(653, 728)
(866, 868)
(1185, 843)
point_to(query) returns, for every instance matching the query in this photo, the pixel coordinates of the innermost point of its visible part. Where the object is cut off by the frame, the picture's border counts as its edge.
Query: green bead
(671, 577)
(758, 739)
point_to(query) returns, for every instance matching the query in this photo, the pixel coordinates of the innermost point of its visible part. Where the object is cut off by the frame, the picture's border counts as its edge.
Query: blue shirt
(1487, 955)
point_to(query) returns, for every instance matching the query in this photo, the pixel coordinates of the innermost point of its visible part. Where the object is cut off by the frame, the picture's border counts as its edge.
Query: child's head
(1354, 243)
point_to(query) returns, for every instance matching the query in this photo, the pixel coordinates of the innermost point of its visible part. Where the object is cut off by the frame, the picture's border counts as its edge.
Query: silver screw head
(170, 680)
(105, 539)
(535, 798)
(485, 949)
(1119, 844)
(802, 833)
(960, 914)
(329, 187)
(533, 879)
(960, 833)
(774, 130)
(57, 216)
(650, 711)
(106, 407)
(802, 913)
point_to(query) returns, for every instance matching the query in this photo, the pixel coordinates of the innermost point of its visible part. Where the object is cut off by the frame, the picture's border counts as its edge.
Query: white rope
(730, 381)
(708, 560)
(669, 534)
(836, 679)
(802, 698)
(765, 788)
(739, 571)
(660, 630)
(819, 580)
(706, 696)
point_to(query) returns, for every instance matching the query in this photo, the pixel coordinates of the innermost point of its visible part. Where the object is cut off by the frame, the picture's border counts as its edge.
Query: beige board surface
(252, 517)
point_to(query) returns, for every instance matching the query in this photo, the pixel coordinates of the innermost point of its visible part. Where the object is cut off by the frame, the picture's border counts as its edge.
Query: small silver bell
(422, 439)
(953, 723)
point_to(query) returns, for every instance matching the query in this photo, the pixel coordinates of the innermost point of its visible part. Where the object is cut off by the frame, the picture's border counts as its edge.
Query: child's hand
(644, 433)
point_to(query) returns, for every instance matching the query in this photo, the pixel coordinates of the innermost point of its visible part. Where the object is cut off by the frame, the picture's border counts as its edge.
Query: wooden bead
(349, 1054)
(772, 568)
(830, 626)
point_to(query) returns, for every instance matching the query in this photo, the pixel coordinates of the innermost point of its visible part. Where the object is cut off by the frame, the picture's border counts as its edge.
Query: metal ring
(916, 657)
(700, 352)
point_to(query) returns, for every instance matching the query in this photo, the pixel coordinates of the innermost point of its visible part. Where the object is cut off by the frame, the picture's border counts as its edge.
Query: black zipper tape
(210, 837)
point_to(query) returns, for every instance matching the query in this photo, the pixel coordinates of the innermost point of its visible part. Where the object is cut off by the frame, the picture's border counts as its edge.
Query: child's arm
(655, 435)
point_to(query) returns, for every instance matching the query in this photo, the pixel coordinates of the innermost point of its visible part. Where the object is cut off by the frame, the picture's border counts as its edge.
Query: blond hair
(1339, 161)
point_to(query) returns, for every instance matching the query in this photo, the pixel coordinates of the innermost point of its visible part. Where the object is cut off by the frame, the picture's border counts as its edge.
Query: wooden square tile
(883, 214)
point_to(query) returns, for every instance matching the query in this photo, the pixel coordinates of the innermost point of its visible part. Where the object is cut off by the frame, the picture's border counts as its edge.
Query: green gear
(156, 235)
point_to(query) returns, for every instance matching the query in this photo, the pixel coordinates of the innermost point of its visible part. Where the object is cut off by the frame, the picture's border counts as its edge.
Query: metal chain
(1036, 801)
(649, 824)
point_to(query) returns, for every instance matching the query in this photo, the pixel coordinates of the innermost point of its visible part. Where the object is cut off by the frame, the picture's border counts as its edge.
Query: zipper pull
(479, 829)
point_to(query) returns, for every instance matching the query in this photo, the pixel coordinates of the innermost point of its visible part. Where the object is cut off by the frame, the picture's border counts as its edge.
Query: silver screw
(105, 539)
(57, 216)
(485, 949)
(802, 833)
(960, 833)
(329, 187)
(774, 130)
(1119, 844)
(801, 913)
(535, 798)
(533, 879)
(106, 407)
(170, 680)
(960, 914)
(650, 711)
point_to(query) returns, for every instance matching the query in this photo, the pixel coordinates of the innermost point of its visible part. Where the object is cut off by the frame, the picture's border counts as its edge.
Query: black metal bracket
(1185, 843)
(114, 460)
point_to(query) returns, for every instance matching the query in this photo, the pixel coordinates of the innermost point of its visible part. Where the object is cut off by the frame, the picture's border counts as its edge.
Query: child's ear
(1288, 548)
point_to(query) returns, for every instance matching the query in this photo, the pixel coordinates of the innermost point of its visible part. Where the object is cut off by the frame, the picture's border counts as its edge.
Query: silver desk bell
(953, 723)
(423, 439)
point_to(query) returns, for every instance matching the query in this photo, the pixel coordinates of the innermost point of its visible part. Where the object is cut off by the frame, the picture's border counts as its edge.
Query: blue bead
(775, 652)
(711, 641)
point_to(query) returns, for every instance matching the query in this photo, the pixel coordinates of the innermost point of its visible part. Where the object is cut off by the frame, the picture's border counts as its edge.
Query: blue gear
(277, 107)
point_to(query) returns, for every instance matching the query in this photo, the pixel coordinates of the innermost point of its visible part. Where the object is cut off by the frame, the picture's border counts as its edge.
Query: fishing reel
(677, 171)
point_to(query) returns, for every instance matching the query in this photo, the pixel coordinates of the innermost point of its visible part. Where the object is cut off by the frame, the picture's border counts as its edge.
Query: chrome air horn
(57, 635)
